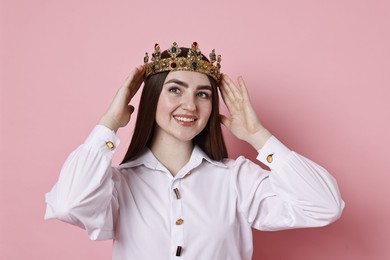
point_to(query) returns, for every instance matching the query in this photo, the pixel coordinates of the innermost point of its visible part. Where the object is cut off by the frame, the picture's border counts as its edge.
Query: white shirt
(205, 212)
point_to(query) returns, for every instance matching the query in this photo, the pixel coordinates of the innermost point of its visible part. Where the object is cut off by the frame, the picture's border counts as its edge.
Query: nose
(188, 103)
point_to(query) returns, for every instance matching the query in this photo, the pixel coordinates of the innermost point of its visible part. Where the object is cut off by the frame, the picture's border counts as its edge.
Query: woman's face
(184, 105)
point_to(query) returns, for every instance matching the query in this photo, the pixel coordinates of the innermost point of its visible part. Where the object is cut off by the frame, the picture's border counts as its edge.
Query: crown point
(194, 46)
(146, 58)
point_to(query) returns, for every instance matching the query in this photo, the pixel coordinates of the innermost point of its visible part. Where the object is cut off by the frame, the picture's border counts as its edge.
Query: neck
(173, 154)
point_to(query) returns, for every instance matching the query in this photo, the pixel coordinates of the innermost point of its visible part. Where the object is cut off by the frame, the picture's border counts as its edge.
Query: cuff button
(110, 145)
(269, 158)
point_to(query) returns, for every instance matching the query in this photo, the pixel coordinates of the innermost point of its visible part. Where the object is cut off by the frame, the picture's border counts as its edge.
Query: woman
(176, 195)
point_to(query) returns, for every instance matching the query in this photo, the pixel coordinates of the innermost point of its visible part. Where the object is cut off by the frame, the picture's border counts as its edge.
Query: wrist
(109, 122)
(258, 139)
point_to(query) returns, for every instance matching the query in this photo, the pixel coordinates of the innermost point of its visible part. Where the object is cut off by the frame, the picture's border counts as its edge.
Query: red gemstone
(173, 65)
(195, 44)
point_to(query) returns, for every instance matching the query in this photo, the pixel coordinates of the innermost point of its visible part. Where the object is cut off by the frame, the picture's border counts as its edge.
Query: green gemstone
(195, 65)
(173, 49)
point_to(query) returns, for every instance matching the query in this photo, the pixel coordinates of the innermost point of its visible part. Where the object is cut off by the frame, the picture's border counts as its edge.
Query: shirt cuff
(102, 139)
(273, 153)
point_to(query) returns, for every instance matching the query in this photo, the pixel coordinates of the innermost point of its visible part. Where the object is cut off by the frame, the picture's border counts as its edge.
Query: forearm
(301, 182)
(84, 192)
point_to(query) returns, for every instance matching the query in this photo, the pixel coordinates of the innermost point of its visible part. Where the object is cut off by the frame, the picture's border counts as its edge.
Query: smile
(185, 119)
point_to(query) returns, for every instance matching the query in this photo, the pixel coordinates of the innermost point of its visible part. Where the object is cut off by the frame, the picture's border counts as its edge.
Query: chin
(185, 137)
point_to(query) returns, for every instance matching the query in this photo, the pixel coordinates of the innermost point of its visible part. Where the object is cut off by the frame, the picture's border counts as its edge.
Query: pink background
(318, 73)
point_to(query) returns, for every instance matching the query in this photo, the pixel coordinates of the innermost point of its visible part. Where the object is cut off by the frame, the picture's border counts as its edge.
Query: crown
(193, 61)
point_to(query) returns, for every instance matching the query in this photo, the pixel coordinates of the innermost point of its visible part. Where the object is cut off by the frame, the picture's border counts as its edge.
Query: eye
(204, 95)
(175, 90)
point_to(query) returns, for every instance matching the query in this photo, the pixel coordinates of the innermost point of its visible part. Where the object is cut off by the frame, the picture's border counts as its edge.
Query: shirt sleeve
(85, 193)
(295, 193)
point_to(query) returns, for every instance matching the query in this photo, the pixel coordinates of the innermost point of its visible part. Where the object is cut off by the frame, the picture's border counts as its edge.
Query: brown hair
(210, 140)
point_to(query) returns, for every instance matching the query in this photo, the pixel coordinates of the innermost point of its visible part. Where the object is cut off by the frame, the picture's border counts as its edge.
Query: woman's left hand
(243, 121)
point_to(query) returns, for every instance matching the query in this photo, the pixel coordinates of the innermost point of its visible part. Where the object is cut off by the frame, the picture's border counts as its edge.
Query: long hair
(210, 140)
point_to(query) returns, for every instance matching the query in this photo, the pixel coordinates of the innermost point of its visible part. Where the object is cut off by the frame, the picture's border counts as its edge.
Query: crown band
(193, 61)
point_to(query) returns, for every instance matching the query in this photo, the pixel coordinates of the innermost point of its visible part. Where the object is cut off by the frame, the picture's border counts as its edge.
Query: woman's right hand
(119, 113)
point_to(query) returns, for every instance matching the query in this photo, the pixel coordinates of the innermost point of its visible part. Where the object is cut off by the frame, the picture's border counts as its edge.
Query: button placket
(177, 232)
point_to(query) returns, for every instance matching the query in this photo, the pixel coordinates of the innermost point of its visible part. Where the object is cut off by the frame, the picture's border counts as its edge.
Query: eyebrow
(181, 83)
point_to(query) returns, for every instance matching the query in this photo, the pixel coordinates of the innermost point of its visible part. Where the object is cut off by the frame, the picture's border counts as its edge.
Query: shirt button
(110, 145)
(179, 221)
(178, 250)
(269, 158)
(177, 193)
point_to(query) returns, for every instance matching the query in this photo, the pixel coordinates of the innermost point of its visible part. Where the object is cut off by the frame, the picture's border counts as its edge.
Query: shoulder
(229, 162)
(242, 165)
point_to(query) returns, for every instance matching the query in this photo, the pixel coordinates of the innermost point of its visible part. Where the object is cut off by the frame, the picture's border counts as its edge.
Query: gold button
(179, 221)
(269, 158)
(110, 145)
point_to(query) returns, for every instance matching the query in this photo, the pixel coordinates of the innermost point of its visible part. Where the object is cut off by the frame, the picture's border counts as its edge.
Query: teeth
(185, 119)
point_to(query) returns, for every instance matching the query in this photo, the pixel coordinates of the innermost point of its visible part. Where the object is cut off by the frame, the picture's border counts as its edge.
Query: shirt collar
(198, 155)
(148, 159)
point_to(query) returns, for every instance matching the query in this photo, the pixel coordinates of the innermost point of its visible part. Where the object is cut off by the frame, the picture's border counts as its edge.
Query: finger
(244, 90)
(231, 87)
(134, 76)
(226, 89)
(227, 94)
(227, 97)
(139, 75)
(137, 80)
(232, 102)
(130, 78)
(135, 86)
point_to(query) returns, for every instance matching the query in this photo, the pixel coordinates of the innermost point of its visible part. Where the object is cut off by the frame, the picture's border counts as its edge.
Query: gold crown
(193, 61)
